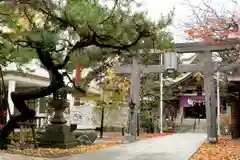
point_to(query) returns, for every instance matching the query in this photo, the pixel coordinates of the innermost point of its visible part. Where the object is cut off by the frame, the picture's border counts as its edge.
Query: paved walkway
(172, 147)
(186, 126)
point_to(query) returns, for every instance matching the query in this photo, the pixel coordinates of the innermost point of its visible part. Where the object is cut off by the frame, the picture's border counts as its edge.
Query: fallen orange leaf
(226, 149)
(57, 152)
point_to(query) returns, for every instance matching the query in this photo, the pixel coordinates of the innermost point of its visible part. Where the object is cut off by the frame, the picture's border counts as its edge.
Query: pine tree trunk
(19, 97)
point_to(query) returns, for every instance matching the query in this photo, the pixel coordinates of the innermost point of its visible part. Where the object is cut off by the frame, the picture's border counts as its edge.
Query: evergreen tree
(61, 33)
(88, 32)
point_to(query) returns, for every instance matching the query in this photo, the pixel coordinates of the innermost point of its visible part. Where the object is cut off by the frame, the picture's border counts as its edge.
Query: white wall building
(81, 112)
(15, 80)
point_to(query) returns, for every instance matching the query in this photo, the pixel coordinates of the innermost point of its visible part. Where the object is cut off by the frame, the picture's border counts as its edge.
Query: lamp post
(161, 96)
(218, 106)
(170, 65)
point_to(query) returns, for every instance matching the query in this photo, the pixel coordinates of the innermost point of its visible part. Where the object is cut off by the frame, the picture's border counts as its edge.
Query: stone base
(129, 139)
(58, 136)
(212, 140)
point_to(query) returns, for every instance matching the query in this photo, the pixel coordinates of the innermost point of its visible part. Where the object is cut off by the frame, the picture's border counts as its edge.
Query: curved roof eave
(182, 77)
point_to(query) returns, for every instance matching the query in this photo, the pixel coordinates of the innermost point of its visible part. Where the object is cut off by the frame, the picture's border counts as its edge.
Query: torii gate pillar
(135, 96)
(210, 98)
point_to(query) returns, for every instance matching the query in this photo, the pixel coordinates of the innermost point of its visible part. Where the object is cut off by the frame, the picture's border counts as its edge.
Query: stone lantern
(170, 62)
(58, 134)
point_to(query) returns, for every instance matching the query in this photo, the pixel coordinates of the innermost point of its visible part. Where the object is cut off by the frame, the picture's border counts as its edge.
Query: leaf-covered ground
(55, 153)
(226, 149)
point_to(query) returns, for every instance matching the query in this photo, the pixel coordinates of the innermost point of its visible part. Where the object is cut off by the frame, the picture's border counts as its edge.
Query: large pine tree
(87, 31)
(61, 33)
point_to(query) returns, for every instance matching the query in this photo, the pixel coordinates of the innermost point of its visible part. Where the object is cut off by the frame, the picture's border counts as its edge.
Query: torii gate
(208, 68)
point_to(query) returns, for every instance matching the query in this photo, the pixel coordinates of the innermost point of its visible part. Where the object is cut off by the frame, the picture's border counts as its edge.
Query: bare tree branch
(212, 26)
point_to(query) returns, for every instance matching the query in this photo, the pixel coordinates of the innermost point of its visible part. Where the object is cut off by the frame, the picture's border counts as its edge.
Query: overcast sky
(183, 11)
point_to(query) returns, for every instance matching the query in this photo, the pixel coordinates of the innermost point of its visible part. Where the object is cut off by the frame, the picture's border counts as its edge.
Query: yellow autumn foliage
(115, 87)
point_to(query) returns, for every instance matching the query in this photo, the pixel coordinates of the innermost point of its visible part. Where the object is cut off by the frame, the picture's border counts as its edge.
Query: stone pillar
(210, 98)
(11, 88)
(135, 98)
(134, 93)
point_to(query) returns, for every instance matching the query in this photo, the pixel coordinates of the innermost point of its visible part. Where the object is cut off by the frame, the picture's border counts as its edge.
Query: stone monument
(82, 117)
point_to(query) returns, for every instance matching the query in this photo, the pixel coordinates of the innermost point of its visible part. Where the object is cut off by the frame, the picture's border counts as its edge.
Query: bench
(30, 124)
